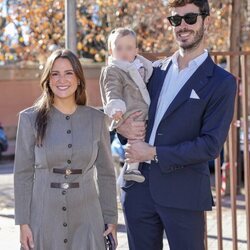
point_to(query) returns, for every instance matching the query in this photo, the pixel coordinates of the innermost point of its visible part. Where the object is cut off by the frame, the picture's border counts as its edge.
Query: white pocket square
(194, 95)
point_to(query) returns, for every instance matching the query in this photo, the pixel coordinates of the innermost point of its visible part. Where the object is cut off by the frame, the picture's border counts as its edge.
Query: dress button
(66, 176)
(65, 241)
(68, 161)
(65, 224)
(64, 192)
(67, 117)
(68, 131)
(69, 145)
(64, 208)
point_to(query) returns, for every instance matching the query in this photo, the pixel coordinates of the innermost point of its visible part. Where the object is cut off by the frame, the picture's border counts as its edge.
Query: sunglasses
(189, 18)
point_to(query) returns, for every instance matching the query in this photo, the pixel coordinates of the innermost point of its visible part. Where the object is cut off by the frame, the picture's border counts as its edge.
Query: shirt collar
(196, 62)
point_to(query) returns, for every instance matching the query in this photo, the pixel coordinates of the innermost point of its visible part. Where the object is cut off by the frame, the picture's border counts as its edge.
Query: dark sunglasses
(189, 18)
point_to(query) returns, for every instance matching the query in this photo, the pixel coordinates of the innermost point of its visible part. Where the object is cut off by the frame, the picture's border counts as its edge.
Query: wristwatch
(156, 158)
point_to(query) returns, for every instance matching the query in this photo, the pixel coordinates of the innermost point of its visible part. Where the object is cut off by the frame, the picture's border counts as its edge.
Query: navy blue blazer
(191, 133)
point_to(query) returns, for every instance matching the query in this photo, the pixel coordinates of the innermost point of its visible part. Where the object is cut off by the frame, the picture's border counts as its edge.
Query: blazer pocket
(200, 169)
(194, 107)
(196, 101)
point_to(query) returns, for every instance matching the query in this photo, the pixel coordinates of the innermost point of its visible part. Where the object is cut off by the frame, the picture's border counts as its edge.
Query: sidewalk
(9, 234)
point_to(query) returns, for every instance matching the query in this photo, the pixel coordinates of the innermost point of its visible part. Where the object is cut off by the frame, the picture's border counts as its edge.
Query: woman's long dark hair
(45, 101)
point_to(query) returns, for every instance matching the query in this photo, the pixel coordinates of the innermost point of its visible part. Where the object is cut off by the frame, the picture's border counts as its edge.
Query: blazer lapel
(156, 87)
(197, 81)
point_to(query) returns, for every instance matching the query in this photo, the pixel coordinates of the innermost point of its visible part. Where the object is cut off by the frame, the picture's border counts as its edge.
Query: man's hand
(139, 151)
(132, 129)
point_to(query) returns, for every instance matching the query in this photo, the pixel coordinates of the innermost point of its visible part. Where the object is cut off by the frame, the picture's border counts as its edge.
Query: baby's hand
(117, 115)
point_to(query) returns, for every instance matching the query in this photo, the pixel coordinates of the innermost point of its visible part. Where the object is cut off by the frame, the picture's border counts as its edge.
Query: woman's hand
(112, 229)
(132, 129)
(26, 237)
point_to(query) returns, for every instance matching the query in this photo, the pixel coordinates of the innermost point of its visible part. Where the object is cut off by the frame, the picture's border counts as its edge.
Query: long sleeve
(106, 178)
(24, 169)
(111, 84)
(114, 106)
(213, 132)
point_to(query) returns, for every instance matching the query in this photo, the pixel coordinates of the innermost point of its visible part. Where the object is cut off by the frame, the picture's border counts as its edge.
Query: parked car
(3, 141)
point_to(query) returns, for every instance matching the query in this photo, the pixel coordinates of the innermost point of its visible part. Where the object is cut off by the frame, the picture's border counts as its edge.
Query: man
(192, 102)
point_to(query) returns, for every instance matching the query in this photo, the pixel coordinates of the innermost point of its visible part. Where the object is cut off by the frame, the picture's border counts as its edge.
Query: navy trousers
(146, 221)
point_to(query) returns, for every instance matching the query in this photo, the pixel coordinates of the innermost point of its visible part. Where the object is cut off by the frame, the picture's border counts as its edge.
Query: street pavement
(9, 234)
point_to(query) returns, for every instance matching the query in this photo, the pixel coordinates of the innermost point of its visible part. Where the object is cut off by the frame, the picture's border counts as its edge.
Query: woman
(59, 143)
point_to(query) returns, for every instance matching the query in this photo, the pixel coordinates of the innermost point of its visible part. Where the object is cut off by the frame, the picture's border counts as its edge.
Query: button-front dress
(65, 211)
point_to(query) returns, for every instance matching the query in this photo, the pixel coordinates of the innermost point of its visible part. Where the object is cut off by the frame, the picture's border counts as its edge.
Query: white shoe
(133, 175)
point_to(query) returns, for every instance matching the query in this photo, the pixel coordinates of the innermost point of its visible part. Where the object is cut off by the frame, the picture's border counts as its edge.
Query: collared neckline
(196, 62)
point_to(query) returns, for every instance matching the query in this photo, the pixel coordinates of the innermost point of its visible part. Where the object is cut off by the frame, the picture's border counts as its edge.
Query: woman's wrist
(24, 225)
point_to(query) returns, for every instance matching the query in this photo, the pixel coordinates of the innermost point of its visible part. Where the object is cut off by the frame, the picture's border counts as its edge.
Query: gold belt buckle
(68, 171)
(65, 185)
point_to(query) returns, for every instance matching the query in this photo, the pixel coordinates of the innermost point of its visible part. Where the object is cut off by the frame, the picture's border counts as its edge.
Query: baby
(123, 87)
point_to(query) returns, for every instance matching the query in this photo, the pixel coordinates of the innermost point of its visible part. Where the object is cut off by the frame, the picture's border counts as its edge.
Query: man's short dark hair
(201, 4)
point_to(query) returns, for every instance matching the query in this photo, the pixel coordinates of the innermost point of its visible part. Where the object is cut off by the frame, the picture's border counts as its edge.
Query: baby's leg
(133, 166)
(133, 174)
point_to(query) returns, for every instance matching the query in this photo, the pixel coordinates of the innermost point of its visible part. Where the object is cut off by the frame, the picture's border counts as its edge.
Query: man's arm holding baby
(133, 132)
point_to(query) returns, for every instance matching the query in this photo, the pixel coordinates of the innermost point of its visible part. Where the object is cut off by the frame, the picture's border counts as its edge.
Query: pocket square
(194, 95)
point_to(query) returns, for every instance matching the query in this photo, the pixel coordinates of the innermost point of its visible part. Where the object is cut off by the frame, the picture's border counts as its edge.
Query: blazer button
(68, 131)
(68, 161)
(69, 145)
(64, 208)
(64, 192)
(67, 117)
(65, 224)
(65, 241)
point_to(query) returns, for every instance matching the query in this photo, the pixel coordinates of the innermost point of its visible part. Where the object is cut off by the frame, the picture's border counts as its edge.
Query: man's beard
(198, 36)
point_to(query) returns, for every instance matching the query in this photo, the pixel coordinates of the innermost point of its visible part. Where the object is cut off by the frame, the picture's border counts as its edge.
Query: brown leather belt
(64, 185)
(67, 171)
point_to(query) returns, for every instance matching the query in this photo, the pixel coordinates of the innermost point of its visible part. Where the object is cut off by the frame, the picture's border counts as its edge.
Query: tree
(38, 27)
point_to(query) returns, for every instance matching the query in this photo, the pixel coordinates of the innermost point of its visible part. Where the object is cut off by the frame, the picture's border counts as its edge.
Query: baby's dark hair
(118, 33)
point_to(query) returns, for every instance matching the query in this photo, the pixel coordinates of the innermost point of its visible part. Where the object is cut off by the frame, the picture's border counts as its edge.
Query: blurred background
(31, 29)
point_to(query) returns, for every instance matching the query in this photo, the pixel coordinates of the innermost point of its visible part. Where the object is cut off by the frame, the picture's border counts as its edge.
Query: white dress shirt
(174, 81)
